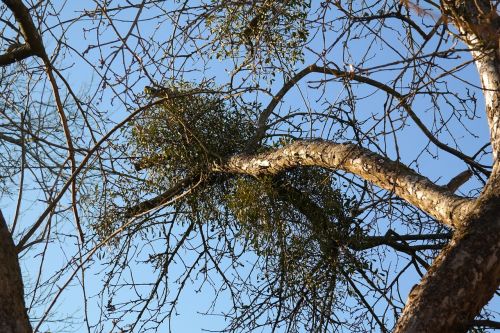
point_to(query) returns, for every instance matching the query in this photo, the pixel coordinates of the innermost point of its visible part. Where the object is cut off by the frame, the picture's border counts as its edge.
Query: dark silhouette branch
(15, 54)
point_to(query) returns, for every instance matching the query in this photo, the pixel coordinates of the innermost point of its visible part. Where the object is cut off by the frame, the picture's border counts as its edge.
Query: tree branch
(479, 25)
(36, 47)
(15, 54)
(381, 171)
(24, 240)
(165, 197)
(464, 276)
(264, 116)
(28, 29)
(487, 324)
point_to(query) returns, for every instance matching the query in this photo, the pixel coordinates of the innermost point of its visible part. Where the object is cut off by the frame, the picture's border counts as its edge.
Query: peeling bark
(13, 315)
(488, 66)
(465, 275)
(467, 272)
(418, 190)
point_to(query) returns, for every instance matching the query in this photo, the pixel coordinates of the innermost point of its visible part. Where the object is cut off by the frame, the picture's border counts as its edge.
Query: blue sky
(87, 81)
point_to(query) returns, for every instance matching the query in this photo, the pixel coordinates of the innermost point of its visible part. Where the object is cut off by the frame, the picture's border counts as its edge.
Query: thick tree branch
(458, 180)
(381, 171)
(489, 71)
(479, 25)
(465, 275)
(16, 54)
(487, 324)
(391, 238)
(28, 29)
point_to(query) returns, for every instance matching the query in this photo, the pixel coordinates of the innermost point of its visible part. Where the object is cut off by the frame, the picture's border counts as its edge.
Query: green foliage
(298, 216)
(255, 205)
(187, 133)
(267, 29)
(193, 128)
(298, 222)
(299, 212)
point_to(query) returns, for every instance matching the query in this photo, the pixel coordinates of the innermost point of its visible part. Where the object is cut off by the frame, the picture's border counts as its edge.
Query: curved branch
(34, 45)
(264, 116)
(435, 200)
(404, 104)
(28, 29)
(24, 240)
(16, 54)
(479, 25)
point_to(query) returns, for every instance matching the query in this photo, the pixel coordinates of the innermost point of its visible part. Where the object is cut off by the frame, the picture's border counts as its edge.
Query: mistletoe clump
(299, 223)
(299, 213)
(265, 28)
(180, 137)
(188, 132)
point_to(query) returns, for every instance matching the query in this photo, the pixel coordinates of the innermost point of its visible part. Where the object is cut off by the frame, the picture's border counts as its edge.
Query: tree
(278, 155)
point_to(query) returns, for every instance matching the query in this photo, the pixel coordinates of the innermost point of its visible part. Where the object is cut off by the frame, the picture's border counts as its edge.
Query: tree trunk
(13, 315)
(463, 277)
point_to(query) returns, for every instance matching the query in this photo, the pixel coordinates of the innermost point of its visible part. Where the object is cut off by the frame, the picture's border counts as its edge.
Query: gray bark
(464, 277)
(467, 272)
(435, 200)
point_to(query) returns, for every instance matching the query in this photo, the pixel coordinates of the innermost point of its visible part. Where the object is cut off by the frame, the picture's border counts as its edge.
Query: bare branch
(261, 124)
(459, 180)
(28, 29)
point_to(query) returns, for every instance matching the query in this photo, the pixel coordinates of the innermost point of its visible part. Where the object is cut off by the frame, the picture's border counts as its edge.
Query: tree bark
(465, 275)
(467, 272)
(479, 25)
(435, 200)
(13, 314)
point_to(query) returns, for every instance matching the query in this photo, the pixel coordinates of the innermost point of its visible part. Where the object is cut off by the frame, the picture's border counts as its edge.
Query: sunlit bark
(392, 176)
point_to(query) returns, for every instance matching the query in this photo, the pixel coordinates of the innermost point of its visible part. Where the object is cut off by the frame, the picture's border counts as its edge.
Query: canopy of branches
(285, 166)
